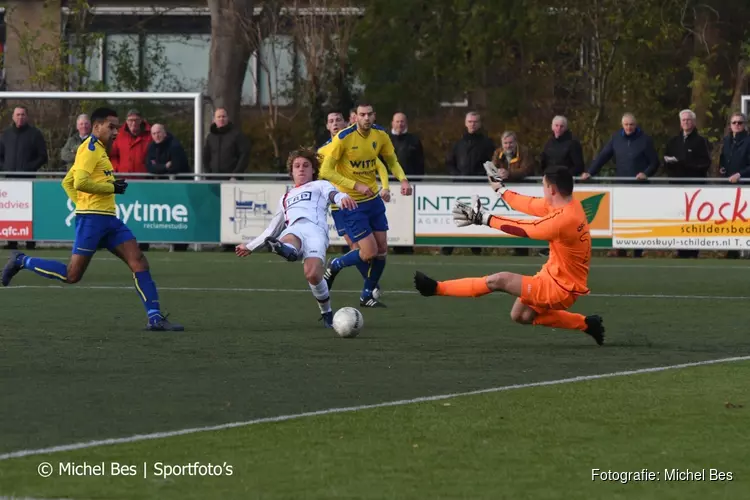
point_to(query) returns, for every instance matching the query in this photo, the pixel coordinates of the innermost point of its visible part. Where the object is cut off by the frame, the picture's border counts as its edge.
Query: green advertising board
(169, 212)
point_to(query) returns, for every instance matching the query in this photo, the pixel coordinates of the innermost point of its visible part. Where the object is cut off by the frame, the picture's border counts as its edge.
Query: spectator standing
(410, 155)
(512, 159)
(468, 155)
(165, 154)
(128, 152)
(515, 164)
(688, 154)
(562, 149)
(407, 145)
(734, 162)
(69, 150)
(634, 155)
(22, 149)
(227, 150)
(129, 149)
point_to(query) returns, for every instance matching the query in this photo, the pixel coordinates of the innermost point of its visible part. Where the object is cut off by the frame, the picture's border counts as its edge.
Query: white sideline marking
(349, 409)
(500, 262)
(386, 291)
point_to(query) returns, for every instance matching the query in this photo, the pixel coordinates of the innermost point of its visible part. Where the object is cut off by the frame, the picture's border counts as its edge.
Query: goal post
(196, 97)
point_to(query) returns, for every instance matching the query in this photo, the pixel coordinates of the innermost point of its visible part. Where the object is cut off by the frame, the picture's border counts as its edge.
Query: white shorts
(313, 237)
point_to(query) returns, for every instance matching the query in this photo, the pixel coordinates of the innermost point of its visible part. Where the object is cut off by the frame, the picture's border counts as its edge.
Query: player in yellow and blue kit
(350, 164)
(90, 184)
(334, 124)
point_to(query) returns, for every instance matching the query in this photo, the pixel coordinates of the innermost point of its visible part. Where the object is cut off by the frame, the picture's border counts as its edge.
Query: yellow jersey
(89, 181)
(352, 157)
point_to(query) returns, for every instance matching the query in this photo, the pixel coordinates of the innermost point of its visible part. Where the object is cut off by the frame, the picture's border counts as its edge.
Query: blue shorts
(368, 217)
(95, 231)
(338, 221)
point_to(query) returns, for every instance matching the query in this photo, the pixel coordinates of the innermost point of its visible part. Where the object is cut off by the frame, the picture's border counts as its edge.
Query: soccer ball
(377, 293)
(348, 322)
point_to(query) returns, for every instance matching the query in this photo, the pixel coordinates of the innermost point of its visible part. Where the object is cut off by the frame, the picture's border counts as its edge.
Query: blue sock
(364, 268)
(373, 277)
(51, 269)
(146, 289)
(350, 259)
(288, 249)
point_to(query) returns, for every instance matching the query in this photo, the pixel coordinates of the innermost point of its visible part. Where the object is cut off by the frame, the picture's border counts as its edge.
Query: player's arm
(530, 205)
(275, 227)
(68, 185)
(328, 168)
(389, 155)
(383, 174)
(82, 175)
(342, 200)
(546, 228)
(520, 203)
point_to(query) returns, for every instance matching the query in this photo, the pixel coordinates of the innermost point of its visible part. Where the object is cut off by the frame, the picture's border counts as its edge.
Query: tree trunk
(740, 84)
(231, 23)
(706, 38)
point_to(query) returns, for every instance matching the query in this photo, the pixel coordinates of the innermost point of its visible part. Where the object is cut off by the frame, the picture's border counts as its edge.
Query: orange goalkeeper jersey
(567, 230)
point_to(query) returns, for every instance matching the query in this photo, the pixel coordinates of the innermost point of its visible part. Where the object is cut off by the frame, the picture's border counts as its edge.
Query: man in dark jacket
(165, 155)
(471, 151)
(734, 162)
(634, 156)
(468, 156)
(227, 150)
(632, 150)
(22, 149)
(562, 148)
(687, 155)
(407, 145)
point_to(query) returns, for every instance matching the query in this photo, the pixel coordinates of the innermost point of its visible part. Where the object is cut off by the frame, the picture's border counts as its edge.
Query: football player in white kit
(300, 226)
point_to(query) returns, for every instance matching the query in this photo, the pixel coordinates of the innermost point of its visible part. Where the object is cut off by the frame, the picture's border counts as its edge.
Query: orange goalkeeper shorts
(541, 292)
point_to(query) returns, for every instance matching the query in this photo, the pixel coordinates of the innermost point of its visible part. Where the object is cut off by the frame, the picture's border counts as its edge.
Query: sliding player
(334, 124)
(543, 298)
(350, 165)
(91, 186)
(300, 226)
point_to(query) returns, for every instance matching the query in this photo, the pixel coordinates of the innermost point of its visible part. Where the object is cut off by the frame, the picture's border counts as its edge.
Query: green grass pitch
(76, 367)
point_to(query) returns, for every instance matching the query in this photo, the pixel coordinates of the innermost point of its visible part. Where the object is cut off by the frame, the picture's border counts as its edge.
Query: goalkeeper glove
(494, 175)
(466, 215)
(120, 186)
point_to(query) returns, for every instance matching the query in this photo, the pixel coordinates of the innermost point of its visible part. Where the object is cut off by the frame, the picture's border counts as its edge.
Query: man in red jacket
(130, 148)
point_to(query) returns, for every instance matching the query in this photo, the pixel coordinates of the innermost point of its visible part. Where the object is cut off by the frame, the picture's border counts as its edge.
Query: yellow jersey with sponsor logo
(89, 181)
(352, 156)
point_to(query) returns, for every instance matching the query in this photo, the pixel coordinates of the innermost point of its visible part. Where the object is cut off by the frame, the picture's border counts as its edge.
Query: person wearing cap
(130, 147)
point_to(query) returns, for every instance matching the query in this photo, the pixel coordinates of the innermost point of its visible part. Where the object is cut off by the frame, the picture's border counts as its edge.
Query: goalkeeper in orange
(544, 297)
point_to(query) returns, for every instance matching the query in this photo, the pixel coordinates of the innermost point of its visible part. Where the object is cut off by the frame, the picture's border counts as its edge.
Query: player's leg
(286, 246)
(123, 244)
(358, 228)
(379, 225)
(311, 242)
(314, 271)
(89, 230)
(469, 287)
(340, 224)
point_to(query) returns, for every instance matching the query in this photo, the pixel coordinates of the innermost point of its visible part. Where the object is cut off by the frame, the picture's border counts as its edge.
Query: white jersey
(309, 201)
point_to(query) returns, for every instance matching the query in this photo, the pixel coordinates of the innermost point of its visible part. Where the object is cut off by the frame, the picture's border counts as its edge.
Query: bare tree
(323, 32)
(230, 52)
